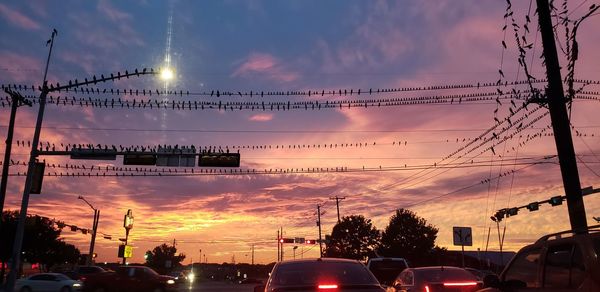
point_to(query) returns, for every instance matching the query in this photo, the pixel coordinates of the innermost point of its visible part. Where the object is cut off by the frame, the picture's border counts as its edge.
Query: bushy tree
(408, 236)
(158, 257)
(41, 242)
(354, 237)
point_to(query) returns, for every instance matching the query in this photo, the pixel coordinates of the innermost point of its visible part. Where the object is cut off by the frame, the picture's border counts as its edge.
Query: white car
(47, 282)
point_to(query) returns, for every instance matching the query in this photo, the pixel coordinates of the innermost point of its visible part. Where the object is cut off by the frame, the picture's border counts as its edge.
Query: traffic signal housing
(555, 201)
(286, 240)
(310, 241)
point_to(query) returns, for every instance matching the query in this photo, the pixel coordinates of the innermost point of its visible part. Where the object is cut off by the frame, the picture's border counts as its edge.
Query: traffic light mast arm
(533, 206)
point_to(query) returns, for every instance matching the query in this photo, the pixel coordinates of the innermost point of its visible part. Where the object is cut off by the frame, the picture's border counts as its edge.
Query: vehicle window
(577, 269)
(564, 267)
(61, 277)
(407, 278)
(151, 272)
(557, 266)
(525, 268)
(90, 270)
(42, 277)
(387, 270)
(314, 273)
(439, 275)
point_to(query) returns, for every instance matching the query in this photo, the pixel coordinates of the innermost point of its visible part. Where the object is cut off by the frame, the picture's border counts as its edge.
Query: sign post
(462, 236)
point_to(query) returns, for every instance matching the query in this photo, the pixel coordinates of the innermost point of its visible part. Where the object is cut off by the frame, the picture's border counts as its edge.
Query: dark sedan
(437, 279)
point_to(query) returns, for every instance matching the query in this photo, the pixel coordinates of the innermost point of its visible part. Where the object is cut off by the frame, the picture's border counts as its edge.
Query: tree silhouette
(354, 237)
(159, 257)
(410, 237)
(41, 242)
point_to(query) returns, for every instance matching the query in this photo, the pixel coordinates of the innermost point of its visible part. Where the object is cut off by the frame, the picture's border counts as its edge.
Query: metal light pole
(18, 243)
(94, 229)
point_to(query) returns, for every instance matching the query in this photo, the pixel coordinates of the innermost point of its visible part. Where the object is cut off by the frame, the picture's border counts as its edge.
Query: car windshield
(387, 270)
(315, 273)
(151, 271)
(439, 275)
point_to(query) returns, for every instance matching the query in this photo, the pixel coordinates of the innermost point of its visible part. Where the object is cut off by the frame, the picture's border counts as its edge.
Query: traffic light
(533, 206)
(555, 201)
(286, 240)
(310, 241)
(512, 211)
(94, 255)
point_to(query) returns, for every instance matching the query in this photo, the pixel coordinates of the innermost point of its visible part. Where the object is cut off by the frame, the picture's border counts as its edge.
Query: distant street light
(94, 229)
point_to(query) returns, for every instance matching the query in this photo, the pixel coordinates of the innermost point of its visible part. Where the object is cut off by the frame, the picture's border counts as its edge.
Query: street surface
(218, 287)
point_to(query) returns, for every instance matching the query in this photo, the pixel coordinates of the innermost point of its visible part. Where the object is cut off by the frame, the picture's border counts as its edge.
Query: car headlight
(170, 281)
(76, 285)
(191, 277)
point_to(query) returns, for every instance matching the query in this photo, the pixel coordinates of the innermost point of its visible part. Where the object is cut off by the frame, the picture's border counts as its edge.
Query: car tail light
(328, 286)
(426, 288)
(81, 279)
(460, 284)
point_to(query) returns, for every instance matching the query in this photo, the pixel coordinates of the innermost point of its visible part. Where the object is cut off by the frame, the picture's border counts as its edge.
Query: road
(210, 286)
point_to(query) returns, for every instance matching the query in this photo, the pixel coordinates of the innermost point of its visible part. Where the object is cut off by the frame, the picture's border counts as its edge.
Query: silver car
(47, 282)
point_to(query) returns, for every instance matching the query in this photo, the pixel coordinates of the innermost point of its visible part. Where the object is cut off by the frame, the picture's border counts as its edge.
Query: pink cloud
(20, 67)
(111, 12)
(261, 117)
(18, 19)
(267, 66)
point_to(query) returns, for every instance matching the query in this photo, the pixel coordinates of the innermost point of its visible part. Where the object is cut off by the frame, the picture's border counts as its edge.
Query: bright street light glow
(166, 74)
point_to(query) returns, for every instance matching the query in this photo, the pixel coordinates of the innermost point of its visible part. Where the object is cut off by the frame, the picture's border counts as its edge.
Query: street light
(94, 229)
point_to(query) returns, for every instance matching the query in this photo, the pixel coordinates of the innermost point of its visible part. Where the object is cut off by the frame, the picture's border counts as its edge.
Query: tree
(354, 237)
(41, 242)
(410, 237)
(160, 256)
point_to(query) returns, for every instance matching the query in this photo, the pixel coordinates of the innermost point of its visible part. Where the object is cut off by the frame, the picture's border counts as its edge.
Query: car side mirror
(491, 281)
(260, 288)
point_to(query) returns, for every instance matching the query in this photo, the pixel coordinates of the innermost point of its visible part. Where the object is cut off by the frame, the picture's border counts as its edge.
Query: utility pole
(278, 246)
(337, 204)
(319, 224)
(18, 243)
(253, 254)
(16, 100)
(560, 122)
(281, 232)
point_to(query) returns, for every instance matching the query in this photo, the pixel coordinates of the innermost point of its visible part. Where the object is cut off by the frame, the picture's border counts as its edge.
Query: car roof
(387, 259)
(329, 260)
(435, 268)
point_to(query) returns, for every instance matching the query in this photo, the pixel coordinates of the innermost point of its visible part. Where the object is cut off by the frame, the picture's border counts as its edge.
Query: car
(386, 269)
(250, 281)
(48, 282)
(80, 273)
(130, 279)
(437, 279)
(321, 274)
(563, 261)
(480, 274)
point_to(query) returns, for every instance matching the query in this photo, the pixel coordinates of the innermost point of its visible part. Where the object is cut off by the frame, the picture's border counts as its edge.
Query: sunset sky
(418, 156)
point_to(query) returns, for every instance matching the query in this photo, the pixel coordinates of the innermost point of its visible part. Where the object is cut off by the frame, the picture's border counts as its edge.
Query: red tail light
(81, 279)
(459, 284)
(328, 286)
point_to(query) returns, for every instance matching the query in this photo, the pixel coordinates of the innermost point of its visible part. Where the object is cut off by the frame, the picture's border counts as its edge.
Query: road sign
(125, 251)
(93, 154)
(462, 236)
(139, 159)
(128, 220)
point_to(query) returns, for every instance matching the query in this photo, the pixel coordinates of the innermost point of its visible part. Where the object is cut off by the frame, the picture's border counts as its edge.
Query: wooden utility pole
(560, 122)
(319, 224)
(337, 204)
